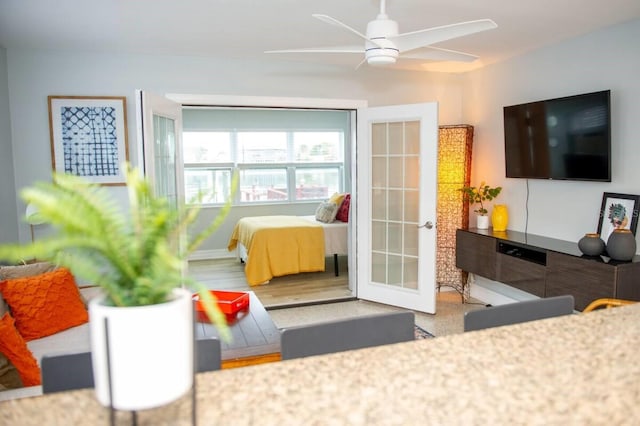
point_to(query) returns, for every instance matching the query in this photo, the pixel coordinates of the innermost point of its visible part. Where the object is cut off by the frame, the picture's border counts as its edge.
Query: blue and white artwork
(88, 137)
(90, 141)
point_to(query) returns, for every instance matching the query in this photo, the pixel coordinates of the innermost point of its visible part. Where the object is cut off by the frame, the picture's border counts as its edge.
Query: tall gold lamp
(454, 172)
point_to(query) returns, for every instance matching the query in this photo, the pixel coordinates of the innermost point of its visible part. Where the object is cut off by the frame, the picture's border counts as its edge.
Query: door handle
(428, 224)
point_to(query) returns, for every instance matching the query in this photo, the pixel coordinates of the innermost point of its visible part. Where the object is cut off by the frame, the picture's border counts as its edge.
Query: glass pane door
(396, 234)
(164, 157)
(394, 196)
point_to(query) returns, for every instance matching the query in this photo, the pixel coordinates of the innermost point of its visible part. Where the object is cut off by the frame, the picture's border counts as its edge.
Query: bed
(273, 246)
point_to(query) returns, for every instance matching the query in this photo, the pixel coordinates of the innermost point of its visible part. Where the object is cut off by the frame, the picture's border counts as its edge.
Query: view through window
(281, 155)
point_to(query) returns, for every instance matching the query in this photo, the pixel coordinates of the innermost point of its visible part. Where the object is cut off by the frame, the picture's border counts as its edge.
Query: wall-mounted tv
(564, 138)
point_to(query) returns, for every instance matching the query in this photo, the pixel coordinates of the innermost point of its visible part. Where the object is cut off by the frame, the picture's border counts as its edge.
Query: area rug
(421, 333)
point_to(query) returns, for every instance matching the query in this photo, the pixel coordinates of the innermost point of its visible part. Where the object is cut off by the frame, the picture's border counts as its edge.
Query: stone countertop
(578, 369)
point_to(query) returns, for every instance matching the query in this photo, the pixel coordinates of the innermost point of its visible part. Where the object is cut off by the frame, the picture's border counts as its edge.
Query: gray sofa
(74, 339)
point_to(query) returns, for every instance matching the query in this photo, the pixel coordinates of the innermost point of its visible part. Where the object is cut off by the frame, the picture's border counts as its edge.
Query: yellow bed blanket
(278, 245)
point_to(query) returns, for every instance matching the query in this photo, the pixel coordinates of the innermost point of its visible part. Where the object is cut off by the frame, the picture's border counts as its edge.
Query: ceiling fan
(383, 45)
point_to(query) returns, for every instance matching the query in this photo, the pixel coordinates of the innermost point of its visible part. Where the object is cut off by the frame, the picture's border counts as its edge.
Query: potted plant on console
(479, 195)
(142, 327)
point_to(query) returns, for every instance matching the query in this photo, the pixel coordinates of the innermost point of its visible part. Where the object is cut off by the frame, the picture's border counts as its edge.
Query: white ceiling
(246, 28)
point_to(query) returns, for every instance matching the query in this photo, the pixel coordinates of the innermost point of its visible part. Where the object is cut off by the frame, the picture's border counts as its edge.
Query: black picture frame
(613, 206)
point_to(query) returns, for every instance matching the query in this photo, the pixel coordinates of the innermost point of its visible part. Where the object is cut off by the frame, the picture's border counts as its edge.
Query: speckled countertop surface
(579, 369)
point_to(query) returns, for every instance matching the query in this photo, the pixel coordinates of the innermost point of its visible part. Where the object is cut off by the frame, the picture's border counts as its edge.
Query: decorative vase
(621, 245)
(482, 222)
(591, 244)
(499, 217)
(150, 360)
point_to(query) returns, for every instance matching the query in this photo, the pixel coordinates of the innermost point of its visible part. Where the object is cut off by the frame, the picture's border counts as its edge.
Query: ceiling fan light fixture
(383, 54)
(379, 61)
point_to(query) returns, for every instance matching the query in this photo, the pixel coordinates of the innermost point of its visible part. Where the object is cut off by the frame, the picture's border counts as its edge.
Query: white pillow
(326, 212)
(26, 270)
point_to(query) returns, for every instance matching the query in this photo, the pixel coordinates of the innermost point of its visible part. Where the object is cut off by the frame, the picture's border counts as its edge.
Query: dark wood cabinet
(521, 274)
(545, 267)
(591, 280)
(476, 253)
(585, 280)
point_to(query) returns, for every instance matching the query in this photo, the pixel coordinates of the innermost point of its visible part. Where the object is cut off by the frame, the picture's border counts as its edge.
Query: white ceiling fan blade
(361, 63)
(333, 21)
(431, 53)
(330, 49)
(422, 38)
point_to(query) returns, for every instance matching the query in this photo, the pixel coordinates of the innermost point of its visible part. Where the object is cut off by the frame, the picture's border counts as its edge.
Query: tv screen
(564, 138)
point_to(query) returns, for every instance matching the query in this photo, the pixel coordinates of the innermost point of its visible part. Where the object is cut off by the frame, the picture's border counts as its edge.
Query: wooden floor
(299, 289)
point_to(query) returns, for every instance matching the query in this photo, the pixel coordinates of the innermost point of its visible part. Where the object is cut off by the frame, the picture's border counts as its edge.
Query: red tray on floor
(230, 302)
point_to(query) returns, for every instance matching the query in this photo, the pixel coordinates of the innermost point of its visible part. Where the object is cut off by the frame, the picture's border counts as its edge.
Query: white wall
(8, 212)
(607, 59)
(33, 75)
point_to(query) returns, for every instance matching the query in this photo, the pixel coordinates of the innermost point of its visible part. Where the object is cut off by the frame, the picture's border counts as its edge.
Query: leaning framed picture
(618, 211)
(89, 137)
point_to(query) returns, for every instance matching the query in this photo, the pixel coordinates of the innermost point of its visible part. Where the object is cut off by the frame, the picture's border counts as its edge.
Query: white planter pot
(483, 222)
(150, 352)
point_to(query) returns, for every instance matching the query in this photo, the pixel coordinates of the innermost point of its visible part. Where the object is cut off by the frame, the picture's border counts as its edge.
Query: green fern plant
(137, 259)
(480, 194)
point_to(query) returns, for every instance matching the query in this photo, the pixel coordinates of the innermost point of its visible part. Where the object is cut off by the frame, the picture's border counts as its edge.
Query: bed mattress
(283, 245)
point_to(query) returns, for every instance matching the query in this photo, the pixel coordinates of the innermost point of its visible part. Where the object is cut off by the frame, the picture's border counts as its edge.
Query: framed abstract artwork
(89, 137)
(618, 211)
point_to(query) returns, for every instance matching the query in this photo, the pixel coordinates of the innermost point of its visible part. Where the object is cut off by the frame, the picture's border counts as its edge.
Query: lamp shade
(33, 215)
(455, 145)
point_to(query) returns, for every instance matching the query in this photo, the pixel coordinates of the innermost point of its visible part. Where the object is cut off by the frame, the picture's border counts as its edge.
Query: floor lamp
(33, 218)
(454, 171)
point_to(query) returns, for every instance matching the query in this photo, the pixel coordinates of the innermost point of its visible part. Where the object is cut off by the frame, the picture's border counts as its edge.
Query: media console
(545, 267)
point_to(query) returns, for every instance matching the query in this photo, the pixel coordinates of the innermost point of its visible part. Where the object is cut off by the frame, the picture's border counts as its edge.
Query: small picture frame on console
(618, 211)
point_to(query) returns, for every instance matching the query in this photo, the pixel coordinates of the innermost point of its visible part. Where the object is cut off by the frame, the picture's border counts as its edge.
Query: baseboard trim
(496, 293)
(211, 254)
(310, 303)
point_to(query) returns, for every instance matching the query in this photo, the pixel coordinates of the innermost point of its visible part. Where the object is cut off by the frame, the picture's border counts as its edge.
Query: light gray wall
(8, 207)
(34, 74)
(607, 59)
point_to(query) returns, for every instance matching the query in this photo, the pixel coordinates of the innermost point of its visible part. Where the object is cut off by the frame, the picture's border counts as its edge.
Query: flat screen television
(564, 138)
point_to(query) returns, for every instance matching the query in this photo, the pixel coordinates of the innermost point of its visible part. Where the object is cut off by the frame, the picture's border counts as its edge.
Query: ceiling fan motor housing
(384, 52)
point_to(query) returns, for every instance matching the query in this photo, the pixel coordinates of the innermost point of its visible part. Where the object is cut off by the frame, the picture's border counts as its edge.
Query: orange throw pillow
(44, 304)
(13, 346)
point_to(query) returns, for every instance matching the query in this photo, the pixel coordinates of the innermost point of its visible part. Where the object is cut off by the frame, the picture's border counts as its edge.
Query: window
(281, 155)
(207, 179)
(207, 185)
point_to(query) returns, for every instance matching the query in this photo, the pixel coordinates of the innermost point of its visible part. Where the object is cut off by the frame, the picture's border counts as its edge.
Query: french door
(396, 163)
(160, 154)
(160, 129)
(396, 208)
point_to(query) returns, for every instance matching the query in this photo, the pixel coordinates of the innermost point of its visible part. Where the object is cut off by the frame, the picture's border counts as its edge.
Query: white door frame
(293, 102)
